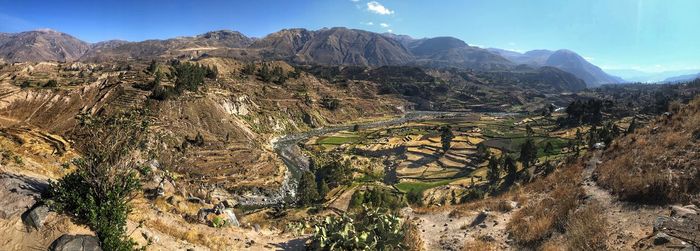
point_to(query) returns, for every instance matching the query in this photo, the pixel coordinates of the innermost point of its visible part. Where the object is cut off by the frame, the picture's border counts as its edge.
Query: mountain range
(655, 77)
(562, 59)
(328, 46)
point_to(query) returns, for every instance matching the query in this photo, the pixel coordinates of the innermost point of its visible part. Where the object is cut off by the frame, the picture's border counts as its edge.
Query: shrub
(377, 197)
(99, 191)
(537, 221)
(306, 189)
(330, 103)
(51, 84)
(369, 229)
(587, 229)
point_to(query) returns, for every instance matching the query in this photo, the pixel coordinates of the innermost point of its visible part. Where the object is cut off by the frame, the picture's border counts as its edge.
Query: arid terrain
(337, 139)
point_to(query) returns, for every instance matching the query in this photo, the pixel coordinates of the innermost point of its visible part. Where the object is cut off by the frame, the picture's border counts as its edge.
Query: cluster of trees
(330, 103)
(377, 197)
(605, 134)
(325, 173)
(268, 74)
(188, 76)
(271, 75)
(497, 166)
(584, 112)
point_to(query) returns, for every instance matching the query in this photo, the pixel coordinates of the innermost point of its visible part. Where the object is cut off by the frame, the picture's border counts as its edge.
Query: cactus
(370, 229)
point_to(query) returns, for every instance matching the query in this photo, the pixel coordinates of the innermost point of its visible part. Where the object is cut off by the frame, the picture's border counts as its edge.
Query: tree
(593, 137)
(511, 168)
(446, 137)
(529, 131)
(632, 127)
(330, 103)
(98, 192)
(549, 148)
(307, 192)
(482, 152)
(52, 83)
(153, 67)
(494, 172)
(528, 153)
(264, 73)
(249, 69)
(323, 189)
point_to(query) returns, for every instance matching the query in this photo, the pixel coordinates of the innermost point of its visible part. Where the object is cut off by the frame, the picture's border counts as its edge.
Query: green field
(421, 186)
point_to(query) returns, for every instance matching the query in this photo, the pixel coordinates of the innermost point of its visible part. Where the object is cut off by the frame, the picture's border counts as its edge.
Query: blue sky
(649, 35)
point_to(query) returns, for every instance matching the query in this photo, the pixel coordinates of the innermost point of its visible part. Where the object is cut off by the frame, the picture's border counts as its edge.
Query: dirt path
(627, 223)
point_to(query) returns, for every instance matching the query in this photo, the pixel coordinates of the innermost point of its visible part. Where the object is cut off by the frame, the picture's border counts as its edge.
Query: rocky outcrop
(36, 217)
(18, 194)
(681, 230)
(76, 243)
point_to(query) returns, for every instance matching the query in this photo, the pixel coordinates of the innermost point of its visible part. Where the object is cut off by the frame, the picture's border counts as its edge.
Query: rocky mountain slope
(562, 59)
(330, 46)
(451, 52)
(41, 45)
(149, 49)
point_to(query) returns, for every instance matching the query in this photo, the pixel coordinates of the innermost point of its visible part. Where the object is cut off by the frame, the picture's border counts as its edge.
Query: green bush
(330, 103)
(98, 192)
(369, 229)
(377, 197)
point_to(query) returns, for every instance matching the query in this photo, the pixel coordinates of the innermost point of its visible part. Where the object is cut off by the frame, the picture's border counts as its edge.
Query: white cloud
(589, 59)
(378, 8)
(390, 31)
(368, 23)
(354, 1)
(385, 25)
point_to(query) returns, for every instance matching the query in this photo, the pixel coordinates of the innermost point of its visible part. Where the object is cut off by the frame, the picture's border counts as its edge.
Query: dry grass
(587, 229)
(479, 245)
(500, 203)
(412, 238)
(538, 220)
(656, 166)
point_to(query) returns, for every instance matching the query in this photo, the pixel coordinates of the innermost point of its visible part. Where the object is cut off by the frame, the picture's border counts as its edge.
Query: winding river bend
(287, 148)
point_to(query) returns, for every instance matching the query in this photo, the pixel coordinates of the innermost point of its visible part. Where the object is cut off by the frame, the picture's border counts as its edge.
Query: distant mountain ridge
(562, 59)
(328, 46)
(682, 78)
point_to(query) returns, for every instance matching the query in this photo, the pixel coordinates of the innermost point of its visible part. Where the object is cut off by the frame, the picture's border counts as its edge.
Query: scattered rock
(256, 227)
(202, 215)
(661, 238)
(195, 199)
(36, 217)
(480, 218)
(684, 211)
(228, 203)
(232, 218)
(659, 222)
(219, 208)
(76, 243)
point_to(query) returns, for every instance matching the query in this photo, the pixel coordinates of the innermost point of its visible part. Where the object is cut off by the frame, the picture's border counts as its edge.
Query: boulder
(661, 238)
(480, 218)
(36, 217)
(76, 243)
(683, 211)
(232, 219)
(19, 193)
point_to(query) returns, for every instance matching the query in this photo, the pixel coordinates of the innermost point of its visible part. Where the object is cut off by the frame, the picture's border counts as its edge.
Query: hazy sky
(650, 35)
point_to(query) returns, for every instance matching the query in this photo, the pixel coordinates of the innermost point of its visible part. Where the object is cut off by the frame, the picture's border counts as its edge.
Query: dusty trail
(628, 223)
